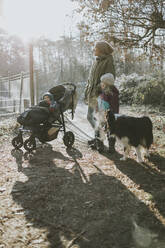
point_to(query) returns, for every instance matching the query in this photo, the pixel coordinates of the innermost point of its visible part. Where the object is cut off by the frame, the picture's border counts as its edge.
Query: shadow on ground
(98, 212)
(149, 176)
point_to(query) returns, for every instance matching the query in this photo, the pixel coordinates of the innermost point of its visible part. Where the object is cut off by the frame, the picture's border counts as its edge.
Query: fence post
(21, 90)
(14, 105)
(26, 103)
(37, 88)
(31, 73)
(9, 93)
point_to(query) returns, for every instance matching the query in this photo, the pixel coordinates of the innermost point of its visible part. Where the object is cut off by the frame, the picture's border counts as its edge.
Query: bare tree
(143, 19)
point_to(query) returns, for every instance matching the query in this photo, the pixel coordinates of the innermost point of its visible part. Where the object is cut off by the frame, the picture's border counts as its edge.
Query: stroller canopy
(64, 95)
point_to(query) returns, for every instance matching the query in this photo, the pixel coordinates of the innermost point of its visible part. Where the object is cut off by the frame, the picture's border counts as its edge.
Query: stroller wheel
(30, 144)
(17, 142)
(68, 139)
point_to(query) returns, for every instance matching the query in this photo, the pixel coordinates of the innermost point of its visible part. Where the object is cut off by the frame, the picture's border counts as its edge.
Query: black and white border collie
(131, 131)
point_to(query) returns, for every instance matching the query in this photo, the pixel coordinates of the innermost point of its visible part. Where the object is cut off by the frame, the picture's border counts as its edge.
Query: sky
(30, 19)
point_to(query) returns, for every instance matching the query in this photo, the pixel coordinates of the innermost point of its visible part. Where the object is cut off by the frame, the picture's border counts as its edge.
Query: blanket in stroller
(33, 116)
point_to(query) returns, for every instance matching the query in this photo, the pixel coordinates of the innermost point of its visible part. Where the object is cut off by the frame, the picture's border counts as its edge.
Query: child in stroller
(53, 106)
(45, 120)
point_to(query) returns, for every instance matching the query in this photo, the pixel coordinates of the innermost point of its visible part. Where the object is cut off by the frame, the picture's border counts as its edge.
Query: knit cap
(108, 79)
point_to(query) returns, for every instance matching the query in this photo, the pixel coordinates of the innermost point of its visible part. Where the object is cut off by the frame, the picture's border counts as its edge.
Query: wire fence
(14, 93)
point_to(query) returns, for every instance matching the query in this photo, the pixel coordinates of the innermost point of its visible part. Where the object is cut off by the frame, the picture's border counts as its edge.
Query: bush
(148, 90)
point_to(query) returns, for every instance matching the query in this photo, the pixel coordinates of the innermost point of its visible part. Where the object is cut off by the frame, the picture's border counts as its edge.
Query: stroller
(40, 123)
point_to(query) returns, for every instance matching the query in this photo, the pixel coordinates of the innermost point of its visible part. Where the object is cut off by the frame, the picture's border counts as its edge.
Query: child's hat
(107, 78)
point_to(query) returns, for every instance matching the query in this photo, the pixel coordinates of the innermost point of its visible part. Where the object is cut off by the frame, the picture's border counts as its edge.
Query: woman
(102, 64)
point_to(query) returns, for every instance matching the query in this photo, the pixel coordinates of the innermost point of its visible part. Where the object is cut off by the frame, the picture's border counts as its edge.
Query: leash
(78, 129)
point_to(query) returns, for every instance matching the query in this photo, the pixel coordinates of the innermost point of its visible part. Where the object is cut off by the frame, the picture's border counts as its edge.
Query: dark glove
(43, 104)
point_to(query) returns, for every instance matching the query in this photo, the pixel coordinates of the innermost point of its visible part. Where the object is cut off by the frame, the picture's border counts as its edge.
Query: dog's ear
(107, 119)
(110, 117)
(107, 113)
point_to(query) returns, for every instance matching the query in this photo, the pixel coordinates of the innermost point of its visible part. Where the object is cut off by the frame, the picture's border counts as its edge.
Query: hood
(49, 95)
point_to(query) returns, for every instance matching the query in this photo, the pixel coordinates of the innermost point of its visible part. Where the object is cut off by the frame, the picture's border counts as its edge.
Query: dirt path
(79, 198)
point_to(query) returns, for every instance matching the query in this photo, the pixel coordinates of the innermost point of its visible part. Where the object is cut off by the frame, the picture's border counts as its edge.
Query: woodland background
(136, 29)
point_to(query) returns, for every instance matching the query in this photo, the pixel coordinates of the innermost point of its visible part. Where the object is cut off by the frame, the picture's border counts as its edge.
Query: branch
(140, 18)
(146, 43)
